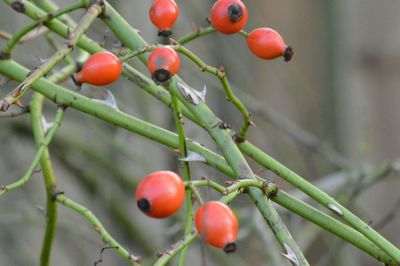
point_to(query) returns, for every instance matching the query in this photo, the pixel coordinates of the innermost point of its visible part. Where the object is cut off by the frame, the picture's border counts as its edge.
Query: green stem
(186, 173)
(221, 75)
(20, 34)
(44, 68)
(99, 228)
(83, 104)
(332, 225)
(196, 34)
(42, 146)
(321, 197)
(49, 179)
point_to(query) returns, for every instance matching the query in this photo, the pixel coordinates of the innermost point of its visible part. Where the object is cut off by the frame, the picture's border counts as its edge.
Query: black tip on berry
(144, 205)
(288, 54)
(161, 75)
(230, 247)
(164, 33)
(235, 12)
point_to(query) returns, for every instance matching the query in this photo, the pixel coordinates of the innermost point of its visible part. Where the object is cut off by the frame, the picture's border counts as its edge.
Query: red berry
(217, 225)
(160, 194)
(228, 16)
(163, 63)
(163, 14)
(268, 44)
(100, 69)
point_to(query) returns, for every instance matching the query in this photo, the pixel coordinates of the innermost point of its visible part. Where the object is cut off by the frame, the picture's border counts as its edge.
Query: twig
(186, 173)
(99, 228)
(42, 148)
(44, 68)
(17, 37)
(81, 103)
(14, 113)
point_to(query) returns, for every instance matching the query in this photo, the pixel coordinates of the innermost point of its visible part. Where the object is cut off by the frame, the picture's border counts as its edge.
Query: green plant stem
(185, 171)
(332, 225)
(46, 165)
(16, 38)
(81, 103)
(211, 123)
(49, 179)
(199, 32)
(166, 255)
(321, 197)
(92, 47)
(99, 228)
(41, 149)
(219, 73)
(44, 68)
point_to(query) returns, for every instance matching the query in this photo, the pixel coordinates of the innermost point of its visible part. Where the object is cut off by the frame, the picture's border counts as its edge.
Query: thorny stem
(48, 176)
(41, 149)
(186, 172)
(221, 75)
(211, 123)
(46, 165)
(218, 72)
(99, 228)
(44, 68)
(16, 38)
(81, 103)
(247, 148)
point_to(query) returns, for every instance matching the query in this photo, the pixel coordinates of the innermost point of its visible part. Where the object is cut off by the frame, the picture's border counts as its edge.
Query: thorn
(289, 254)
(193, 157)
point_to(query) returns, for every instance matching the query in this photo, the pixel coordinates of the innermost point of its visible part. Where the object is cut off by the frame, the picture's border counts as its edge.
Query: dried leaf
(188, 93)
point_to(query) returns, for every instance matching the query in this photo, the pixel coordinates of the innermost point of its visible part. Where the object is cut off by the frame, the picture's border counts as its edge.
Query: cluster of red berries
(161, 194)
(230, 16)
(227, 17)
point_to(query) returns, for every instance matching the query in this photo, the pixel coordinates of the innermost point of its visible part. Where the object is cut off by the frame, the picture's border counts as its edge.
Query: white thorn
(109, 101)
(46, 125)
(290, 255)
(202, 94)
(193, 157)
(335, 209)
(188, 93)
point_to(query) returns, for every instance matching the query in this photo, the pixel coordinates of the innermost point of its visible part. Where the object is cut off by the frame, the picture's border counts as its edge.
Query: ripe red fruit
(100, 69)
(268, 44)
(217, 225)
(163, 14)
(160, 194)
(163, 63)
(228, 16)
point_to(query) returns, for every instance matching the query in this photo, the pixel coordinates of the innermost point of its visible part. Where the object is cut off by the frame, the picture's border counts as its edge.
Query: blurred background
(331, 115)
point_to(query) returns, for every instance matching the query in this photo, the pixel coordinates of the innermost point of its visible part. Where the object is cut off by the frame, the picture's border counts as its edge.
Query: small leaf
(290, 254)
(109, 101)
(193, 157)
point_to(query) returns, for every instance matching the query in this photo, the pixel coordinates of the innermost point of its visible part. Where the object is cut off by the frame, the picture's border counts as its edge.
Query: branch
(99, 228)
(84, 104)
(42, 148)
(44, 68)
